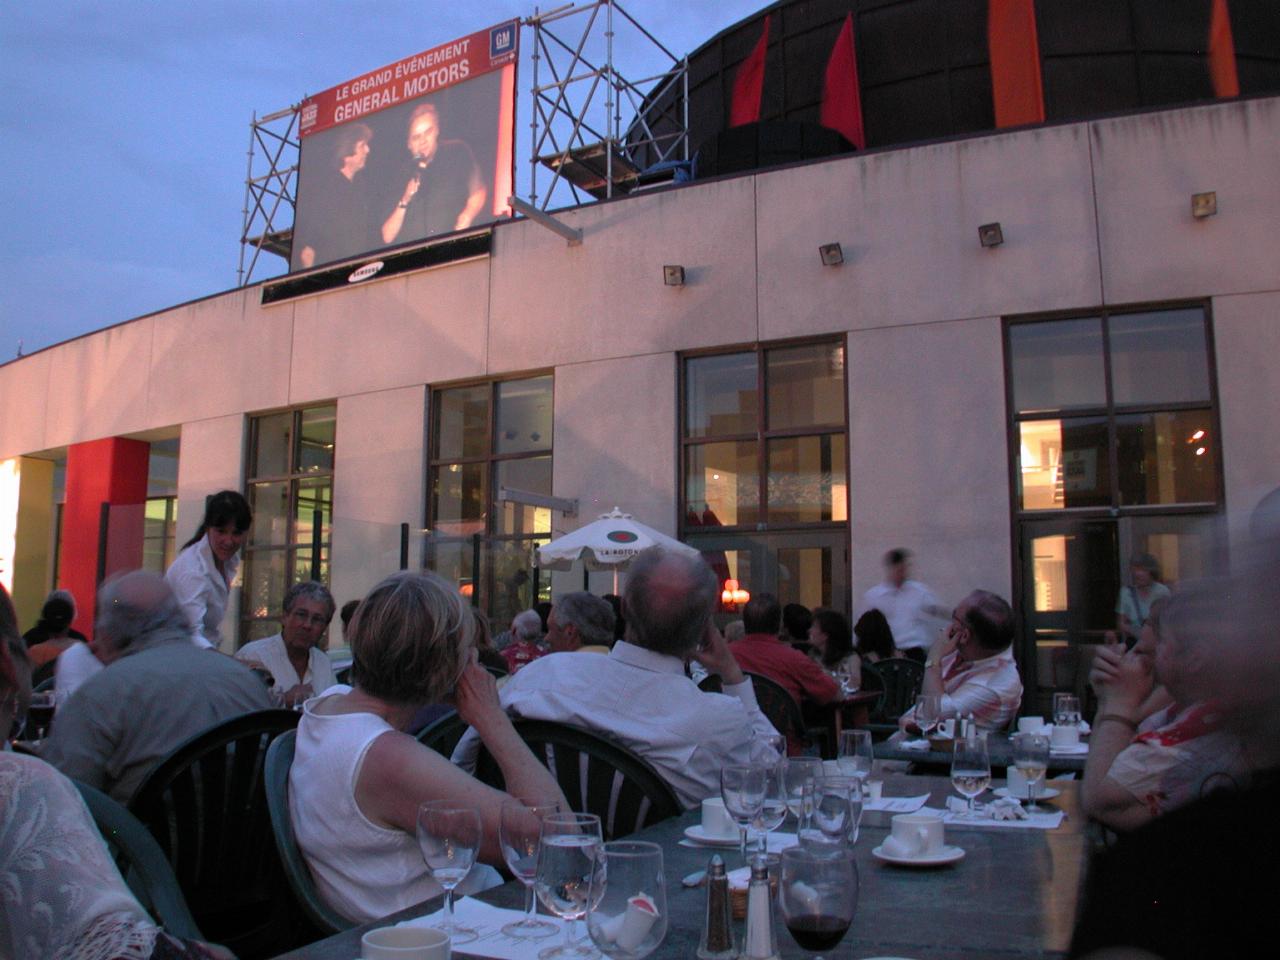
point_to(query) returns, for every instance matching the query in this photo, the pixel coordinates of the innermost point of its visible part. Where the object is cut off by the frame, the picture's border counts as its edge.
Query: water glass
(774, 809)
(837, 812)
(1031, 758)
(520, 837)
(970, 768)
(799, 774)
(566, 859)
(742, 787)
(627, 917)
(817, 895)
(1066, 710)
(855, 754)
(449, 837)
(927, 711)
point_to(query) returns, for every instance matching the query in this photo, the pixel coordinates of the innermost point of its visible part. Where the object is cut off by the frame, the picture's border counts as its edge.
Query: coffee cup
(1064, 735)
(875, 790)
(1030, 724)
(946, 729)
(914, 836)
(716, 821)
(405, 943)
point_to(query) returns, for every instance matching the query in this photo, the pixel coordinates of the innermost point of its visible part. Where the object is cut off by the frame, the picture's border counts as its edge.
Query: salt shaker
(717, 931)
(760, 942)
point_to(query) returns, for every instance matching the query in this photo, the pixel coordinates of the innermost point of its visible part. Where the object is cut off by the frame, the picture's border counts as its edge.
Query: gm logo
(365, 272)
(502, 40)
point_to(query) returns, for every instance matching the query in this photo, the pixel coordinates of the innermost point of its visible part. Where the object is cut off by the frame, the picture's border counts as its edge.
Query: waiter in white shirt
(201, 577)
(907, 604)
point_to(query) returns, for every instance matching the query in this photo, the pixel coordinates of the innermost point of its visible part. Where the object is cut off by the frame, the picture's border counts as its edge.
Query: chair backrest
(597, 776)
(279, 758)
(778, 706)
(443, 734)
(141, 862)
(901, 679)
(206, 805)
(45, 685)
(496, 672)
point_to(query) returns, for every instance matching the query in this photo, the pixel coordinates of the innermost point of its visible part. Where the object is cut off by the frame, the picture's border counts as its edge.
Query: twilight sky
(125, 127)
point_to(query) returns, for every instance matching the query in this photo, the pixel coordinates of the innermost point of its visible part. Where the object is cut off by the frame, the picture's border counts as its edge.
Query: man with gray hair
(580, 621)
(639, 695)
(299, 668)
(157, 689)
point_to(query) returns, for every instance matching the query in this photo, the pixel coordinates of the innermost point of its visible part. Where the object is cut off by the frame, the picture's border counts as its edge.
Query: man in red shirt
(761, 651)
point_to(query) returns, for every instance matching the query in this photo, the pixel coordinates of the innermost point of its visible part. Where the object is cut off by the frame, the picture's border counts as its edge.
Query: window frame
(763, 434)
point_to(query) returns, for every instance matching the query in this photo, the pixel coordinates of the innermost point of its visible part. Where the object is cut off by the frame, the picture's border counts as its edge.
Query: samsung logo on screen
(365, 272)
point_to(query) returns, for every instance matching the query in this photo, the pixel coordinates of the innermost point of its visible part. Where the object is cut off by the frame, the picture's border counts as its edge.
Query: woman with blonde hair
(357, 780)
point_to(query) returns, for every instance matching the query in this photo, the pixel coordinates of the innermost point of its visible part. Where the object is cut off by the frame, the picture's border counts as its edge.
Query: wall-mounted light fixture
(1204, 204)
(831, 254)
(990, 234)
(673, 275)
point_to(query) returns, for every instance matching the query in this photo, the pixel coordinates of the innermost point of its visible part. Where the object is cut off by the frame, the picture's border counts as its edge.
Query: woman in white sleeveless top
(357, 780)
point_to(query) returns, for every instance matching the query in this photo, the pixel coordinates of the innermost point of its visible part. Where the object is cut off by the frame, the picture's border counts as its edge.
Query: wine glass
(797, 774)
(1031, 758)
(837, 811)
(970, 768)
(928, 710)
(768, 749)
(855, 754)
(520, 836)
(566, 857)
(449, 836)
(40, 715)
(742, 787)
(627, 918)
(774, 809)
(818, 895)
(1066, 710)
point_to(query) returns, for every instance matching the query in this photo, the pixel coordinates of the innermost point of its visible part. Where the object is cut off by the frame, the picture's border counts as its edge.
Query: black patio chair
(597, 776)
(319, 914)
(443, 734)
(206, 805)
(141, 862)
(901, 680)
(711, 683)
(782, 710)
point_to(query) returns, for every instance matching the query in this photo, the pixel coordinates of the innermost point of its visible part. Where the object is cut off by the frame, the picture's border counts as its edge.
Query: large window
(487, 438)
(290, 488)
(1115, 453)
(764, 468)
(160, 514)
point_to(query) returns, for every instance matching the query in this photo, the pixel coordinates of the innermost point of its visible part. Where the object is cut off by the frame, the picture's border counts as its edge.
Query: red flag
(1222, 53)
(749, 83)
(841, 98)
(1015, 62)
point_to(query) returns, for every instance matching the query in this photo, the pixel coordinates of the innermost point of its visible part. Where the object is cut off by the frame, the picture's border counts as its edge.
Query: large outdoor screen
(414, 149)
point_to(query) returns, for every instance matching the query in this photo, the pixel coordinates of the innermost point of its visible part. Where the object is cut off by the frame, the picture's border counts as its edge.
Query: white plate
(696, 834)
(1072, 750)
(1046, 793)
(943, 856)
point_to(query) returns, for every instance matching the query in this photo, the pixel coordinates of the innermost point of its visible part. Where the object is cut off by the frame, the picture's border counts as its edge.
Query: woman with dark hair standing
(201, 576)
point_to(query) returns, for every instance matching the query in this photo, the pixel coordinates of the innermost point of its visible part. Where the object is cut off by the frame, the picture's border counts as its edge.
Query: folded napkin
(921, 745)
(1003, 808)
(777, 841)
(1002, 812)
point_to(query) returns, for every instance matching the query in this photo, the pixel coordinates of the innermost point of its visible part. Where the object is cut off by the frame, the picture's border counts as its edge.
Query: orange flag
(841, 98)
(1222, 53)
(749, 83)
(1015, 62)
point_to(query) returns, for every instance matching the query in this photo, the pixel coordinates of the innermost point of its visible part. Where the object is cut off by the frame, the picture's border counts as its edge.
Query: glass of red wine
(818, 894)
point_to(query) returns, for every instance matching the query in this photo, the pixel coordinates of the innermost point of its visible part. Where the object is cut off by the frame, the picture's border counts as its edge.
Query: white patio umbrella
(608, 543)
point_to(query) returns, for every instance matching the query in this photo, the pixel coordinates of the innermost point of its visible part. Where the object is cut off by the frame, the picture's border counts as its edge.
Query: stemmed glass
(769, 749)
(797, 774)
(1066, 710)
(449, 836)
(627, 918)
(520, 836)
(566, 858)
(970, 768)
(928, 710)
(837, 810)
(39, 715)
(742, 787)
(774, 809)
(818, 895)
(856, 754)
(1031, 758)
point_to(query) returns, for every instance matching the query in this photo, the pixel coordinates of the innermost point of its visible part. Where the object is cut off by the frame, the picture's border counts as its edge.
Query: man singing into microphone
(443, 189)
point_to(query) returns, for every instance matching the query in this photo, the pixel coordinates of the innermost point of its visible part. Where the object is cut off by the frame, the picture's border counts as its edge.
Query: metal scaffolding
(576, 124)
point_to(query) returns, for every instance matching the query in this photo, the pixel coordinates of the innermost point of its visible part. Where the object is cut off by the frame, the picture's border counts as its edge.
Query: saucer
(1046, 793)
(944, 856)
(1069, 750)
(697, 835)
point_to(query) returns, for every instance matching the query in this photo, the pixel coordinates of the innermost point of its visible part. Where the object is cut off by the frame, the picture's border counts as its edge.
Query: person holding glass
(357, 780)
(970, 667)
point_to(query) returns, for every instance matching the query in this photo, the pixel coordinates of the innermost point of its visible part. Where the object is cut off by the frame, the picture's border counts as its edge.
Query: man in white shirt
(299, 668)
(907, 604)
(639, 695)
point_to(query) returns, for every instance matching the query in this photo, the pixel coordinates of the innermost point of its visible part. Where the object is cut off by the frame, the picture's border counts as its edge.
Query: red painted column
(114, 471)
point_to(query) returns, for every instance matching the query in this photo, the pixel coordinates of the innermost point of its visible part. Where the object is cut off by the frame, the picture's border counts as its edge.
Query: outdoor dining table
(1014, 894)
(999, 751)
